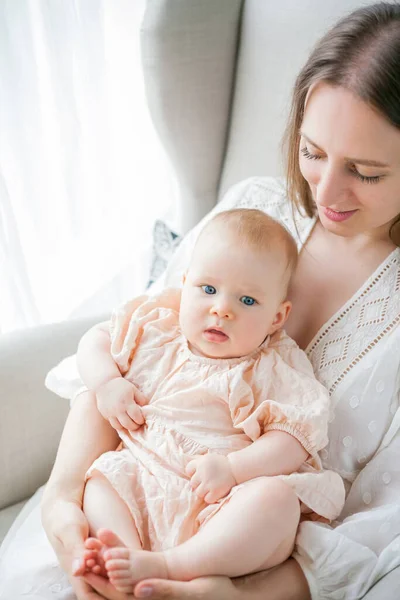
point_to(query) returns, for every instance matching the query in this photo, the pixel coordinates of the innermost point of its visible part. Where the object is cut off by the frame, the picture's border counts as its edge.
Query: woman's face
(350, 156)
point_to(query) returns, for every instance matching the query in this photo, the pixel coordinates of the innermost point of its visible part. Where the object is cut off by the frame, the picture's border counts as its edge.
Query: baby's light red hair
(257, 230)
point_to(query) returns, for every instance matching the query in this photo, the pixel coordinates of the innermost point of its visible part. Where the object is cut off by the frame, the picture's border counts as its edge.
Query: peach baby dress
(198, 405)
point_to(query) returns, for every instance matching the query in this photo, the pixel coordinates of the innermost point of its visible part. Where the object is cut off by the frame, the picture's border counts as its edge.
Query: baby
(219, 413)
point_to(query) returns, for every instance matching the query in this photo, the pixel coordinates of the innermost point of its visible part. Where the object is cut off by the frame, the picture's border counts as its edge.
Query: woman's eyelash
(308, 154)
(365, 179)
(305, 152)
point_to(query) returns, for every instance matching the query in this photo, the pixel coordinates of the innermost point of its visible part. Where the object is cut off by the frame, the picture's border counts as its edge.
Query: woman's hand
(86, 435)
(204, 588)
(284, 582)
(67, 528)
(84, 591)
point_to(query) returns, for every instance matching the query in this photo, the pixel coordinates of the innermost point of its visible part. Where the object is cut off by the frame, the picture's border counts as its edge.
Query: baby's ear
(281, 316)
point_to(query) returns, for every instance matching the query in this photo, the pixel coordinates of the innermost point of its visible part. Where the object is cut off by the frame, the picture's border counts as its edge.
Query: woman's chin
(340, 228)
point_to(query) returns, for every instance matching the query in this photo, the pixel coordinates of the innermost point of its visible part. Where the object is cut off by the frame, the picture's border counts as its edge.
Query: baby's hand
(211, 476)
(118, 401)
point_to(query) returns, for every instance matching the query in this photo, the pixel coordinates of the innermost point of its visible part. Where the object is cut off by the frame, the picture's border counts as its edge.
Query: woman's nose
(330, 187)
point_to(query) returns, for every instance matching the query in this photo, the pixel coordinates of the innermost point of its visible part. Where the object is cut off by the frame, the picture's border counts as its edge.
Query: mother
(344, 184)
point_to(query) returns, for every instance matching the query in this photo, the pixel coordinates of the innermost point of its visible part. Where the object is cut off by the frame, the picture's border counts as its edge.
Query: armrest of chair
(31, 417)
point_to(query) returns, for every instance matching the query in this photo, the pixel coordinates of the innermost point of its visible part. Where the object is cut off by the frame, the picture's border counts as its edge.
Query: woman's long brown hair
(362, 54)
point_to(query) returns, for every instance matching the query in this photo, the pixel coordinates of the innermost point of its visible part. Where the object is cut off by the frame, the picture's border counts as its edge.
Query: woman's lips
(338, 216)
(216, 336)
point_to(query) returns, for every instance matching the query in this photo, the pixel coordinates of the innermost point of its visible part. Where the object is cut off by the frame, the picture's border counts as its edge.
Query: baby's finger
(201, 490)
(127, 422)
(195, 482)
(119, 427)
(211, 497)
(140, 399)
(115, 423)
(135, 413)
(191, 468)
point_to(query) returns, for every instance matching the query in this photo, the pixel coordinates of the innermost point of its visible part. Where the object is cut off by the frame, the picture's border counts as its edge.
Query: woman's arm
(284, 582)
(86, 435)
(274, 453)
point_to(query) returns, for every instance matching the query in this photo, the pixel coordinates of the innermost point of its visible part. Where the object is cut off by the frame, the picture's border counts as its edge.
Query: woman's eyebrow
(359, 161)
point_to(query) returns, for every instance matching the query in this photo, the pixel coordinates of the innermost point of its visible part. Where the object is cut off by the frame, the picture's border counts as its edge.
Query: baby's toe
(123, 573)
(109, 538)
(121, 580)
(117, 553)
(117, 564)
(125, 587)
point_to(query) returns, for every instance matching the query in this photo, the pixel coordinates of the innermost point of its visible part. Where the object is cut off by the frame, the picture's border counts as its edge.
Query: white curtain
(82, 174)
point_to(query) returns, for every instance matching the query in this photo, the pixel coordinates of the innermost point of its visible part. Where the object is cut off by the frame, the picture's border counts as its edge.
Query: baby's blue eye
(209, 289)
(247, 300)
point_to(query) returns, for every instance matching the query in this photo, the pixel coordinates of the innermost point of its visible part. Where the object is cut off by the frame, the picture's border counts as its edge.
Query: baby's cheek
(189, 326)
(252, 335)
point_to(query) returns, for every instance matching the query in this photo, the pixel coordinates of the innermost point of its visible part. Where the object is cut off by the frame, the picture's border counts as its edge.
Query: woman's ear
(281, 316)
(184, 278)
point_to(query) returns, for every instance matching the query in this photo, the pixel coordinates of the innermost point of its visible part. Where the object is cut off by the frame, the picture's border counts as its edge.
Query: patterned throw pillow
(165, 243)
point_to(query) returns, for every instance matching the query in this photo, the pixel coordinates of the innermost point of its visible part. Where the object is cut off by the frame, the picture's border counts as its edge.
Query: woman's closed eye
(364, 178)
(209, 289)
(305, 152)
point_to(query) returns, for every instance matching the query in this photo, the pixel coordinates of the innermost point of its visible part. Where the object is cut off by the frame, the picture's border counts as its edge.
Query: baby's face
(231, 298)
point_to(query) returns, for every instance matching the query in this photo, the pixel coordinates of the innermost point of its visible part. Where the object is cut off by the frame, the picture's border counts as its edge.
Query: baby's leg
(105, 509)
(255, 530)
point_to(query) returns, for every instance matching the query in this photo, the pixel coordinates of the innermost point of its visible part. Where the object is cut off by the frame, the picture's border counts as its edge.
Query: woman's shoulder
(264, 193)
(270, 195)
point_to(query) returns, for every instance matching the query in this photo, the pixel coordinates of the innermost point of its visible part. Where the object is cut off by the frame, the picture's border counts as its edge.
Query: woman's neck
(377, 243)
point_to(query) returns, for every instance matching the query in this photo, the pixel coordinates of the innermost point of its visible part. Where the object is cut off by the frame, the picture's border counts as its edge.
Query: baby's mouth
(215, 335)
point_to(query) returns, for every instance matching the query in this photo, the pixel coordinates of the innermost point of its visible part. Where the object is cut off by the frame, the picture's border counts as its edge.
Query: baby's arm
(117, 398)
(275, 453)
(95, 363)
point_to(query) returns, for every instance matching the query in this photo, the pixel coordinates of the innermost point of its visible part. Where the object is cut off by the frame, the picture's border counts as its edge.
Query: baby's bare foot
(126, 567)
(93, 556)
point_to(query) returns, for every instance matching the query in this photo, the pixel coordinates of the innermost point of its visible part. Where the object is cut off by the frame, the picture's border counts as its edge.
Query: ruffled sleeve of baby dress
(129, 320)
(285, 396)
(280, 392)
(126, 326)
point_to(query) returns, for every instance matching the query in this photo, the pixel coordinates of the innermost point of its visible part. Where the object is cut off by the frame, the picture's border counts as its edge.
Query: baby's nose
(222, 309)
